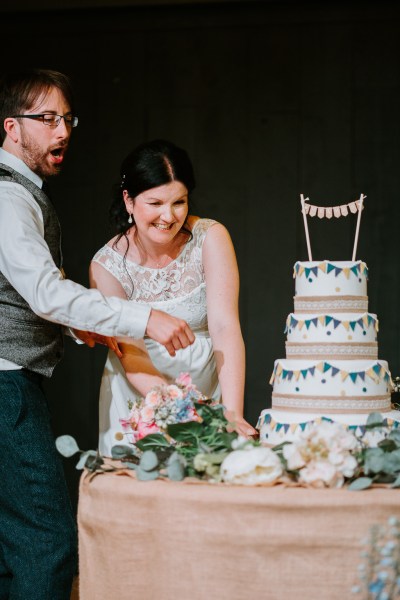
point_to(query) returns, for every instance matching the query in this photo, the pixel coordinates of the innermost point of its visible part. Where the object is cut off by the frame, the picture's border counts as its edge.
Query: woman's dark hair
(20, 90)
(151, 164)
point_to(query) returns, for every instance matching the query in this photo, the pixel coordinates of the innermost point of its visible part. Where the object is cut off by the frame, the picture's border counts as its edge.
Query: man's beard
(35, 157)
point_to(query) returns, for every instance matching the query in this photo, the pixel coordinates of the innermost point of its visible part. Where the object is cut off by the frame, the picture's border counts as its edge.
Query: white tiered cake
(331, 370)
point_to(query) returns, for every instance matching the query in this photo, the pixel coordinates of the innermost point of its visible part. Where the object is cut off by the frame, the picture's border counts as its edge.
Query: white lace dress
(180, 290)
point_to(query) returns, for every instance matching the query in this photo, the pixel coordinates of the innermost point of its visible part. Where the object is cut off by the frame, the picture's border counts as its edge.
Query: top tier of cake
(334, 286)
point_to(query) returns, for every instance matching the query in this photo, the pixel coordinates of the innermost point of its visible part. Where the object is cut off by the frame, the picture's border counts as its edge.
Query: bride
(179, 263)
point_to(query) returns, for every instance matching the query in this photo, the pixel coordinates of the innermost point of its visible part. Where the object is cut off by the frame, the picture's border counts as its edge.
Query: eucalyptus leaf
(395, 436)
(176, 470)
(81, 464)
(374, 419)
(396, 453)
(94, 461)
(66, 445)
(132, 466)
(387, 445)
(121, 451)
(175, 456)
(396, 482)
(149, 461)
(143, 475)
(362, 483)
(374, 460)
(391, 463)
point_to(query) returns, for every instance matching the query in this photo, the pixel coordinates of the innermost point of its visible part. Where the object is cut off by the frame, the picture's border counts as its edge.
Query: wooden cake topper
(331, 211)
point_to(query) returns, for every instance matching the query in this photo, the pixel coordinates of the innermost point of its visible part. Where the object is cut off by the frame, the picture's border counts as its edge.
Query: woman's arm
(222, 281)
(140, 371)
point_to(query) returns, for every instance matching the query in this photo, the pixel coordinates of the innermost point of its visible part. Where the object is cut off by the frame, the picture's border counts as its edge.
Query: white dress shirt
(26, 262)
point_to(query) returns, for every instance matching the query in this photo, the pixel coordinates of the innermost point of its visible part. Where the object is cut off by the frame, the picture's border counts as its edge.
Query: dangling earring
(130, 220)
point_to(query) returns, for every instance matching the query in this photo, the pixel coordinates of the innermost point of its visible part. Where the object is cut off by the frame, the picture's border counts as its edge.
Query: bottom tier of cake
(277, 426)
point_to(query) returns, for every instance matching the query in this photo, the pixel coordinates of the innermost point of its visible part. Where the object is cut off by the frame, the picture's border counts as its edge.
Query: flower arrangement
(249, 464)
(163, 406)
(323, 456)
(178, 433)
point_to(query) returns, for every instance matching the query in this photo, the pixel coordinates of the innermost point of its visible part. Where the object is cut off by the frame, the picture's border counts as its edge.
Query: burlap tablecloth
(182, 541)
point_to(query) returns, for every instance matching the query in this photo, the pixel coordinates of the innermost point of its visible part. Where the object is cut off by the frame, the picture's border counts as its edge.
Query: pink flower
(184, 380)
(126, 424)
(153, 397)
(144, 428)
(174, 393)
(147, 414)
(192, 415)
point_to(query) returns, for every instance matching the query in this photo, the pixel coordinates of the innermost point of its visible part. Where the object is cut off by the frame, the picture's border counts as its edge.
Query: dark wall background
(271, 99)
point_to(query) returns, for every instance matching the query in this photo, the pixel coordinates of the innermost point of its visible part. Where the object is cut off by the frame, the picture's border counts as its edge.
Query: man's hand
(172, 333)
(91, 339)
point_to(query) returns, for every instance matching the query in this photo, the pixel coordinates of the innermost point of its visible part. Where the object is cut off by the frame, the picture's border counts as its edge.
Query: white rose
(293, 456)
(349, 466)
(251, 467)
(321, 473)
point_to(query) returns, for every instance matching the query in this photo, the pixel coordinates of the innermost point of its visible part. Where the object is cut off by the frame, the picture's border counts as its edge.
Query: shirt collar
(18, 165)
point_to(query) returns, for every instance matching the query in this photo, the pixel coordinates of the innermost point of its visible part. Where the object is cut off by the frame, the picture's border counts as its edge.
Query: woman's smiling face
(159, 213)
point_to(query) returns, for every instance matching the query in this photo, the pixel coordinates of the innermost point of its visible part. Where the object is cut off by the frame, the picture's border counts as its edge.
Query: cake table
(162, 539)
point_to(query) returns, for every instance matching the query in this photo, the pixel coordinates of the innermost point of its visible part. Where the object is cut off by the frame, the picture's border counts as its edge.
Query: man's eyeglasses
(51, 120)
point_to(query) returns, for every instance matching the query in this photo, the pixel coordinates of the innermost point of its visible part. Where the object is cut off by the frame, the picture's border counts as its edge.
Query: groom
(37, 529)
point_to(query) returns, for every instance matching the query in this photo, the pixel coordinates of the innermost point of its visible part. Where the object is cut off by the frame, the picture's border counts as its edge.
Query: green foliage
(185, 449)
(154, 440)
(380, 464)
(362, 483)
(198, 448)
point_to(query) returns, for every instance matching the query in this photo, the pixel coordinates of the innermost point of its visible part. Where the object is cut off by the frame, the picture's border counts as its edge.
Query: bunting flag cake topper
(328, 212)
(332, 211)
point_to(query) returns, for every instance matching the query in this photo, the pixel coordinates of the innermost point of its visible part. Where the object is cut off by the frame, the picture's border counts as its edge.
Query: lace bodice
(179, 283)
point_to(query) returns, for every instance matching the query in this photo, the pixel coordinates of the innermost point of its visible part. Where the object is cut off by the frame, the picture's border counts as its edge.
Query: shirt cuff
(134, 318)
(69, 331)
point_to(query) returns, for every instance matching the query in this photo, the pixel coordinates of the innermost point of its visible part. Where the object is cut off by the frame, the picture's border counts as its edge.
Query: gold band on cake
(333, 304)
(331, 404)
(332, 351)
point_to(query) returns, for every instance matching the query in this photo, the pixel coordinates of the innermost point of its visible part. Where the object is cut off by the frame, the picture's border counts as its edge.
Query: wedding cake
(331, 370)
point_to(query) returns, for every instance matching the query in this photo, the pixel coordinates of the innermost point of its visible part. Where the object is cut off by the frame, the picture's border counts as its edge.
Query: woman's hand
(240, 425)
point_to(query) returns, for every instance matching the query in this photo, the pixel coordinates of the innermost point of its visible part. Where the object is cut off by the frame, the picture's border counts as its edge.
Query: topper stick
(303, 210)
(362, 197)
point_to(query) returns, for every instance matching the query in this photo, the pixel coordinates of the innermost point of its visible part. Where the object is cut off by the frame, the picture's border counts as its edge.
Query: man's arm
(26, 262)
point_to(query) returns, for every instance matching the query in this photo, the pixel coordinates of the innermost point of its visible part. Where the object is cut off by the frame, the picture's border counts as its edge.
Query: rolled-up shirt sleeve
(26, 262)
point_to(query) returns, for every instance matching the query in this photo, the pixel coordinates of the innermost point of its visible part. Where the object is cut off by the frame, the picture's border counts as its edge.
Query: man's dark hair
(20, 90)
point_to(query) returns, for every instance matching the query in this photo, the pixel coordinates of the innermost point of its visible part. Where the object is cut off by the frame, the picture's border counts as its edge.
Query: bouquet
(164, 405)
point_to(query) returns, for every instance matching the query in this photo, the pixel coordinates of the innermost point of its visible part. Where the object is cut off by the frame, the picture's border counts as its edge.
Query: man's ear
(12, 128)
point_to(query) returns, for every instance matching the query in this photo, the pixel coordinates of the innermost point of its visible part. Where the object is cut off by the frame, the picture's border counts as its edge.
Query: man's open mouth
(58, 154)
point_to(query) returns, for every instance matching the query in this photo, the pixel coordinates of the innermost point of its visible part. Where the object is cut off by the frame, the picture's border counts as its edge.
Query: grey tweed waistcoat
(25, 338)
